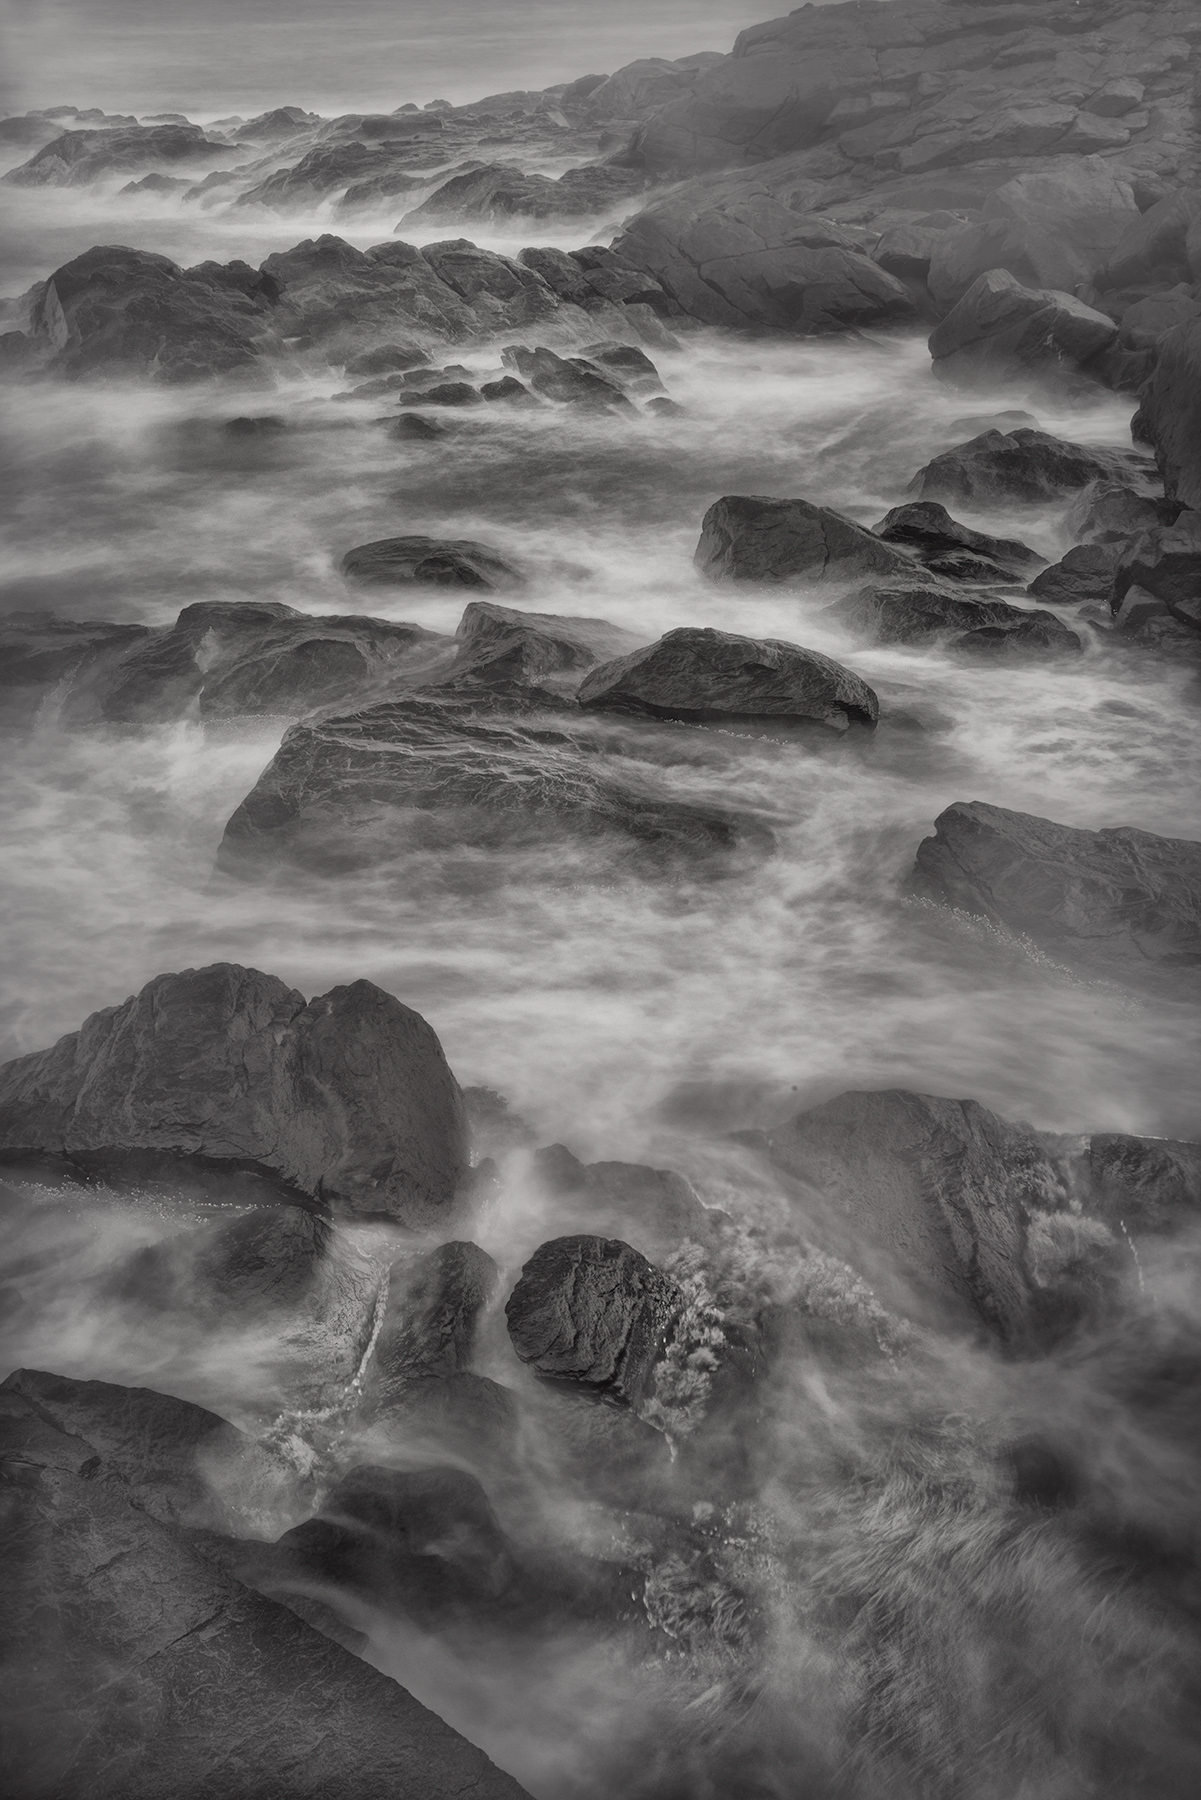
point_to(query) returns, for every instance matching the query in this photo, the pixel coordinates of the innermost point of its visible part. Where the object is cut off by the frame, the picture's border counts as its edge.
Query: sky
(218, 56)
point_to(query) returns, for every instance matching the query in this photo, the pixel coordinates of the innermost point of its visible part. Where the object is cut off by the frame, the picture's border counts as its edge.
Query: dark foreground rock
(1122, 899)
(433, 1312)
(346, 1098)
(138, 1668)
(952, 550)
(705, 674)
(365, 788)
(1001, 329)
(916, 615)
(431, 562)
(952, 1213)
(593, 1314)
(1019, 465)
(1085, 574)
(749, 537)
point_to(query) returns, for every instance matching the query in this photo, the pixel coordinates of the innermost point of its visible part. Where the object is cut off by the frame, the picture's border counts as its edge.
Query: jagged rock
(570, 380)
(498, 191)
(1085, 573)
(324, 170)
(915, 615)
(386, 359)
(337, 796)
(703, 674)
(80, 157)
(346, 1098)
(1122, 899)
(508, 392)
(443, 393)
(1143, 1184)
(502, 644)
(44, 658)
(1001, 328)
(156, 184)
(433, 1311)
(950, 1212)
(165, 1675)
(1170, 414)
(432, 562)
(591, 1313)
(632, 367)
(939, 542)
(281, 123)
(1018, 465)
(414, 428)
(1166, 563)
(654, 1210)
(749, 537)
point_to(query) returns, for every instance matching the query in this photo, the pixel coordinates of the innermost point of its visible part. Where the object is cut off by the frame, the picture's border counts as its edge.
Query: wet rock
(79, 157)
(163, 1660)
(414, 428)
(593, 1314)
(754, 538)
(258, 425)
(430, 562)
(1001, 328)
(1170, 414)
(45, 660)
(1019, 465)
(703, 674)
(916, 615)
(1122, 899)
(346, 1098)
(508, 392)
(939, 540)
(433, 1312)
(1085, 573)
(1111, 512)
(443, 393)
(385, 359)
(1144, 1184)
(572, 381)
(337, 796)
(654, 1210)
(501, 644)
(946, 1209)
(632, 367)
(498, 191)
(1166, 563)
(1154, 249)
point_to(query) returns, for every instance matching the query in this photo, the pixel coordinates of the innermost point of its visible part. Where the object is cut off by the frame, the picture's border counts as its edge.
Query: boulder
(943, 1206)
(338, 797)
(1154, 248)
(749, 537)
(939, 542)
(917, 615)
(508, 392)
(1018, 465)
(631, 366)
(1111, 512)
(592, 1314)
(1143, 1184)
(443, 393)
(654, 1210)
(414, 428)
(501, 644)
(430, 562)
(1000, 328)
(572, 381)
(702, 674)
(1166, 563)
(1121, 899)
(43, 659)
(1170, 414)
(433, 1311)
(79, 157)
(1085, 573)
(138, 1667)
(499, 192)
(346, 1098)
(384, 359)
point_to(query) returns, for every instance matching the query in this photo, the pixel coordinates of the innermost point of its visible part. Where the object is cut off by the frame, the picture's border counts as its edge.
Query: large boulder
(1120, 899)
(705, 674)
(433, 1311)
(362, 789)
(1170, 414)
(571, 380)
(137, 1667)
(44, 658)
(1084, 574)
(918, 615)
(999, 466)
(1157, 585)
(501, 644)
(428, 562)
(750, 537)
(593, 1314)
(952, 550)
(346, 1098)
(1000, 328)
(1161, 247)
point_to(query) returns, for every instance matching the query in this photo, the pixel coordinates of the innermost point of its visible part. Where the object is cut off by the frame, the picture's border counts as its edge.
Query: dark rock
(508, 392)
(499, 192)
(156, 184)
(949, 1211)
(1001, 328)
(591, 1313)
(502, 644)
(915, 615)
(443, 393)
(937, 539)
(570, 380)
(430, 562)
(1166, 563)
(753, 538)
(1144, 1184)
(258, 425)
(631, 366)
(1111, 512)
(337, 796)
(1154, 249)
(699, 674)
(46, 661)
(1170, 414)
(1040, 1473)
(495, 1127)
(346, 1098)
(1086, 573)
(1122, 898)
(80, 157)
(161, 1661)
(414, 428)
(654, 1210)
(386, 358)
(280, 123)
(664, 407)
(1018, 465)
(433, 1312)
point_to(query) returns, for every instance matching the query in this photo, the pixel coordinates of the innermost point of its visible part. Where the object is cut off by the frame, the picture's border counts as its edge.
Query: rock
(1110, 512)
(161, 1661)
(428, 1330)
(631, 366)
(946, 1209)
(182, 1464)
(80, 157)
(45, 661)
(1154, 249)
(276, 126)
(1166, 562)
(593, 1314)
(414, 428)
(939, 541)
(1086, 573)
(385, 359)
(1145, 323)
(916, 615)
(346, 1098)
(260, 425)
(654, 1210)
(338, 797)
(1144, 1184)
(508, 392)
(753, 538)
(431, 562)
(443, 393)
(1124, 900)
(572, 381)
(156, 184)
(499, 192)
(701, 674)
(1000, 328)
(1018, 465)
(1170, 414)
(503, 644)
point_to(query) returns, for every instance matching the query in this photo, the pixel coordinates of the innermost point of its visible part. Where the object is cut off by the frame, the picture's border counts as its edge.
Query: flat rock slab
(346, 1098)
(429, 562)
(751, 537)
(1124, 899)
(704, 674)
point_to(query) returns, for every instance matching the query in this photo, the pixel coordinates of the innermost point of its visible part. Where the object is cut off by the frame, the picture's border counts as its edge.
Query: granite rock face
(1001, 328)
(346, 1098)
(1124, 900)
(750, 537)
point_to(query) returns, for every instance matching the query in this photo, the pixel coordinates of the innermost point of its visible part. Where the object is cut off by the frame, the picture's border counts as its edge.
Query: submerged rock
(433, 562)
(346, 1098)
(1019, 465)
(704, 674)
(749, 537)
(1123, 899)
(914, 615)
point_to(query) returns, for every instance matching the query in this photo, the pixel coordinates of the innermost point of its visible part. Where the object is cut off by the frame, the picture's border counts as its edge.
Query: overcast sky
(337, 55)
